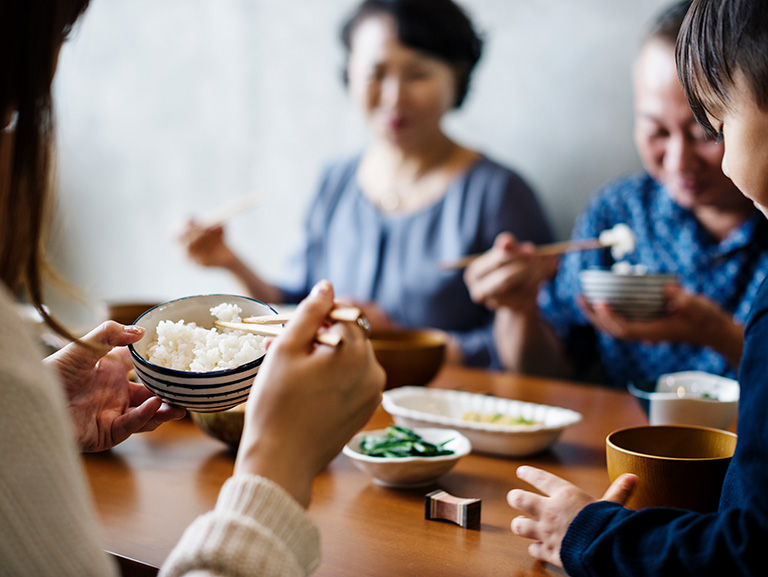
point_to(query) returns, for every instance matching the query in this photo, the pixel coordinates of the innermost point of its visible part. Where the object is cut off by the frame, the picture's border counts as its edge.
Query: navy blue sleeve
(606, 539)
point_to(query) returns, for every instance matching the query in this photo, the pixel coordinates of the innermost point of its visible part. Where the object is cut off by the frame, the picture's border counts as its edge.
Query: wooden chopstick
(568, 246)
(552, 249)
(340, 314)
(230, 209)
(330, 339)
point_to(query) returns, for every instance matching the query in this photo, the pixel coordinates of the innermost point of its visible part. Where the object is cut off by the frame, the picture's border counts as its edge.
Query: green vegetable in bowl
(401, 442)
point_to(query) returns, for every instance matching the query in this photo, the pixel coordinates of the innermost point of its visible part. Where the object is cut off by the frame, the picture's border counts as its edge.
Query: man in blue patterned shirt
(689, 220)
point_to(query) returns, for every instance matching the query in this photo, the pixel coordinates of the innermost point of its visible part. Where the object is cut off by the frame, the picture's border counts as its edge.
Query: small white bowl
(634, 296)
(203, 392)
(408, 472)
(691, 398)
(424, 407)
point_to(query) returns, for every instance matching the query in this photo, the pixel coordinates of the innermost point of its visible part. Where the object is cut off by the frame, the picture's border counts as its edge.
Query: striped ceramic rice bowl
(633, 296)
(186, 363)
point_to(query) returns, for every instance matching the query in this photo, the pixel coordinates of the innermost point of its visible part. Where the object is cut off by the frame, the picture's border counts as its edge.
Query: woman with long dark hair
(81, 399)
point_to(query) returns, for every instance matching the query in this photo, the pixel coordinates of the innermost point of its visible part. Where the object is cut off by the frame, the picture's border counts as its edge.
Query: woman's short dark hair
(718, 39)
(439, 28)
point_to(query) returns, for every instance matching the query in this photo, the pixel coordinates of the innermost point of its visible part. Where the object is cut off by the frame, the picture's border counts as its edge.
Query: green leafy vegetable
(401, 442)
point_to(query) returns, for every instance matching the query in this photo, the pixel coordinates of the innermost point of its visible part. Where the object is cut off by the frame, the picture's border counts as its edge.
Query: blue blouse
(607, 539)
(669, 240)
(392, 259)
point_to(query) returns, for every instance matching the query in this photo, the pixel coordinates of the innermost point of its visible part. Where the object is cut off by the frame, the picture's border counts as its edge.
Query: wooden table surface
(148, 489)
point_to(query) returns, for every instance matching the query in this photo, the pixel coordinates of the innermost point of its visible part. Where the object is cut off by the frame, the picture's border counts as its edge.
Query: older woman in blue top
(689, 220)
(383, 219)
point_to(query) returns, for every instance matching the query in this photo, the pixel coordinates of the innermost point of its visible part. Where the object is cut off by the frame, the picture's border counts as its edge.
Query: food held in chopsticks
(620, 238)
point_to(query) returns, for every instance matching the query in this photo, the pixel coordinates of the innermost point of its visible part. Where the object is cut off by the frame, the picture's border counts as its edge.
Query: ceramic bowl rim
(438, 339)
(648, 277)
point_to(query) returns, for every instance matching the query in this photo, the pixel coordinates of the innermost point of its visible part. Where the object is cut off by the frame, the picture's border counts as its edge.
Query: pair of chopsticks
(263, 325)
(228, 210)
(552, 249)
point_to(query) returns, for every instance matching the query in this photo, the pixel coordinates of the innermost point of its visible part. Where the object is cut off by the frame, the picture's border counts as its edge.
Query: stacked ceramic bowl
(633, 296)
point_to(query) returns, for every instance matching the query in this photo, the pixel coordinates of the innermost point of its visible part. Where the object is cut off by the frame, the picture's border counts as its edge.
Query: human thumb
(111, 334)
(621, 489)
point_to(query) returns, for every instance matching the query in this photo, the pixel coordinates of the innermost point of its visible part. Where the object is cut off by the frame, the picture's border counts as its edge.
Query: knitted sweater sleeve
(256, 528)
(48, 524)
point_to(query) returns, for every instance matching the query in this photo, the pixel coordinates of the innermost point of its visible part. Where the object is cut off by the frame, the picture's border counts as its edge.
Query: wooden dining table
(151, 487)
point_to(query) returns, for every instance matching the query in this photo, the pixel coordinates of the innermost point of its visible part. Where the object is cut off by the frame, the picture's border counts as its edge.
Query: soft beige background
(171, 107)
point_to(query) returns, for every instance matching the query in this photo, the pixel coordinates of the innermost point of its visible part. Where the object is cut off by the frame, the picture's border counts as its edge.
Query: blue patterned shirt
(669, 240)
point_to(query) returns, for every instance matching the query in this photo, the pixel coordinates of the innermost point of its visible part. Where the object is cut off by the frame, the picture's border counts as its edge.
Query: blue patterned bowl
(203, 392)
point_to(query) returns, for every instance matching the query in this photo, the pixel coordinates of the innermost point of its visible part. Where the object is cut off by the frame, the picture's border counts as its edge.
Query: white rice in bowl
(189, 347)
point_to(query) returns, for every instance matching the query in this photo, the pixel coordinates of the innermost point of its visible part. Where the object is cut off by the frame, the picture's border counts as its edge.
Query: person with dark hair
(689, 220)
(722, 59)
(384, 219)
(80, 399)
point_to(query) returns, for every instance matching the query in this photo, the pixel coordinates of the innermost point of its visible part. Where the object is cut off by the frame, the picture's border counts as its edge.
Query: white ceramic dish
(691, 398)
(418, 407)
(407, 472)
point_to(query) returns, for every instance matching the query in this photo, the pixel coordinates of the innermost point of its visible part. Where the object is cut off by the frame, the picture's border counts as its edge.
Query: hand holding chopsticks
(263, 325)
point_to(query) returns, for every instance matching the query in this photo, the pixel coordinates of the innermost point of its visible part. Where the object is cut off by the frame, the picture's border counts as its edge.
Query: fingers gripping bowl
(210, 387)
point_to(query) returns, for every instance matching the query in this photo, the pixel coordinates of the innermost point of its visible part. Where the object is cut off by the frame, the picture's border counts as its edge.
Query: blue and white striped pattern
(200, 392)
(633, 296)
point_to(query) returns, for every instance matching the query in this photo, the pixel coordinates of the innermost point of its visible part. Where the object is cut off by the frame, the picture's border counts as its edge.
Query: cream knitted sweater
(48, 525)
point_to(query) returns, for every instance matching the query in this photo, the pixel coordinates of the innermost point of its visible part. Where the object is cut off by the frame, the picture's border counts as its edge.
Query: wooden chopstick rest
(444, 506)
(330, 339)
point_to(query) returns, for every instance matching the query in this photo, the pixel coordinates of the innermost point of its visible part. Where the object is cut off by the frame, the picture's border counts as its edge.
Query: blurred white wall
(169, 108)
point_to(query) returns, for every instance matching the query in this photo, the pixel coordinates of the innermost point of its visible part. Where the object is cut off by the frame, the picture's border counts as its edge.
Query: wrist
(719, 327)
(230, 261)
(726, 337)
(277, 464)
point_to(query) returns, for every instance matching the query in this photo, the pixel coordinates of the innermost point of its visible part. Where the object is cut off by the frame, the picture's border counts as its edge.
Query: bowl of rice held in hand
(188, 362)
